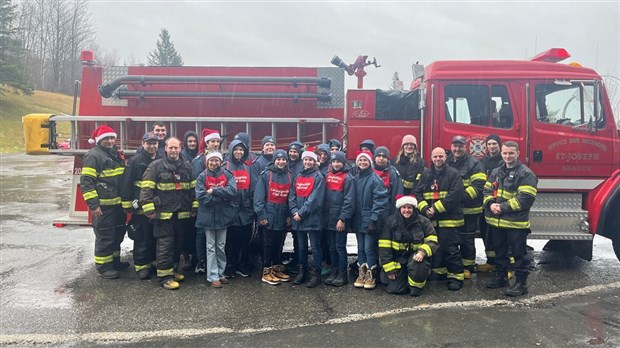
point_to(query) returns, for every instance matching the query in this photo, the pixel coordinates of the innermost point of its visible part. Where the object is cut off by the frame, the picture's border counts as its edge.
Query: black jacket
(444, 191)
(410, 171)
(474, 178)
(132, 179)
(102, 171)
(168, 188)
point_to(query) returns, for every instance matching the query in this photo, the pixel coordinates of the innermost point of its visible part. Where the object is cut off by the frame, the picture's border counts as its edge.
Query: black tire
(616, 244)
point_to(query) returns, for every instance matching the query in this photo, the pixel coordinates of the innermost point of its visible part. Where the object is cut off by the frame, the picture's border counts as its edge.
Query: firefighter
(473, 176)
(407, 242)
(439, 193)
(509, 193)
(371, 199)
(210, 141)
(306, 204)
(409, 163)
(167, 198)
(216, 193)
(159, 128)
(338, 208)
(140, 228)
(389, 175)
(102, 171)
(490, 161)
(240, 232)
(271, 207)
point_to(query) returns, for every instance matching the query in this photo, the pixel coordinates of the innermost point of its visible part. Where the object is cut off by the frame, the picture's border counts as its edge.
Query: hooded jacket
(218, 209)
(444, 191)
(241, 171)
(306, 199)
(339, 203)
(188, 154)
(371, 199)
(259, 165)
(271, 197)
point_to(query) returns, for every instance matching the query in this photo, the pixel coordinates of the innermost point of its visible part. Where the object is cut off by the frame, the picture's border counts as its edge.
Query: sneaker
(486, 268)
(170, 284)
(229, 273)
(242, 273)
(467, 274)
(361, 278)
(144, 273)
(370, 282)
(109, 274)
(269, 278)
(325, 271)
(278, 272)
(200, 267)
(216, 284)
(178, 277)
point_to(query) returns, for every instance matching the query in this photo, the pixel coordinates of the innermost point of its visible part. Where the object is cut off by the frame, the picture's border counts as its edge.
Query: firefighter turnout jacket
(101, 177)
(168, 188)
(515, 190)
(474, 178)
(132, 179)
(442, 190)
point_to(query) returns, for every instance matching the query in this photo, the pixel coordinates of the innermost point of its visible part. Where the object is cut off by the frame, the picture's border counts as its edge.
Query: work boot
(144, 273)
(200, 267)
(315, 278)
(369, 281)
(415, 291)
(301, 275)
(278, 271)
(361, 278)
(109, 274)
(119, 265)
(467, 274)
(332, 276)
(170, 284)
(341, 279)
(268, 277)
(454, 285)
(500, 281)
(519, 288)
(511, 274)
(486, 268)
(178, 277)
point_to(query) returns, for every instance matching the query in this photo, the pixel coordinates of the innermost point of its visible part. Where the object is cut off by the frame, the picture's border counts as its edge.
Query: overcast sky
(397, 33)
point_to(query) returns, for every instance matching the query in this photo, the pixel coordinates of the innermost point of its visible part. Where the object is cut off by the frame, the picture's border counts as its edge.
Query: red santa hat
(100, 133)
(364, 153)
(403, 200)
(206, 135)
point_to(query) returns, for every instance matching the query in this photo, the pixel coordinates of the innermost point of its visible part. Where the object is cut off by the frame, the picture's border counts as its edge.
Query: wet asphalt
(51, 295)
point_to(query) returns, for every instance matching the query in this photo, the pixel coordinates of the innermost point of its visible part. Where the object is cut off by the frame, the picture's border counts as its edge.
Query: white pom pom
(91, 141)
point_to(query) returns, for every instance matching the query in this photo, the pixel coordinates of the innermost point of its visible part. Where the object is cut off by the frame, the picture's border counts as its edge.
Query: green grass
(14, 106)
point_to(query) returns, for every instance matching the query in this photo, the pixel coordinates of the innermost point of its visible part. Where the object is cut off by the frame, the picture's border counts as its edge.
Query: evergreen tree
(165, 54)
(12, 71)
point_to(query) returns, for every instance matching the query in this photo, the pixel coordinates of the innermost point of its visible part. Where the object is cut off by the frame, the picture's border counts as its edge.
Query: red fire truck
(559, 114)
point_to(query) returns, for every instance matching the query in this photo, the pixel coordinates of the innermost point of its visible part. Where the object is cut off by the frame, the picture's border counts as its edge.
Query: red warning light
(553, 55)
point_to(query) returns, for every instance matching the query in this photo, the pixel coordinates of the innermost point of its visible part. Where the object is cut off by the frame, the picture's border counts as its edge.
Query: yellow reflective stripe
(171, 186)
(440, 270)
(385, 243)
(110, 201)
(137, 183)
(514, 204)
(530, 190)
(89, 171)
(473, 211)
(192, 184)
(468, 262)
(511, 259)
(165, 272)
(391, 266)
(139, 267)
(426, 249)
(108, 173)
(422, 205)
(102, 260)
(457, 276)
(448, 223)
(506, 194)
(90, 195)
(195, 204)
(472, 192)
(126, 204)
(418, 176)
(148, 207)
(430, 195)
(466, 182)
(148, 184)
(487, 198)
(439, 207)
(165, 216)
(184, 215)
(431, 238)
(416, 284)
(507, 224)
(488, 185)
(478, 176)
(490, 253)
(407, 184)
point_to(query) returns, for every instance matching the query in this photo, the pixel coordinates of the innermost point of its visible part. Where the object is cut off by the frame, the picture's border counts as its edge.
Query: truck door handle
(538, 156)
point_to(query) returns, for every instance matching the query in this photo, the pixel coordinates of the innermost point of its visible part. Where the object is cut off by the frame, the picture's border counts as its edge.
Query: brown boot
(278, 272)
(370, 282)
(361, 278)
(269, 278)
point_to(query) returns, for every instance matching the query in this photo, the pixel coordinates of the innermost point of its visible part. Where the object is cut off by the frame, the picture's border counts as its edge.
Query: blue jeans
(315, 244)
(201, 251)
(337, 242)
(216, 254)
(366, 249)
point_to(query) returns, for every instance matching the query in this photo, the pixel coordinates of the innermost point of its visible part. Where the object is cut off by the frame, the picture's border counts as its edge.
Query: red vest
(278, 193)
(335, 181)
(212, 181)
(304, 186)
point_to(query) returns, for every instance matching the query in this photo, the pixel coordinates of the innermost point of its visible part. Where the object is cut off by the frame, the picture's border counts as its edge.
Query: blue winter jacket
(306, 198)
(241, 171)
(371, 199)
(339, 202)
(261, 162)
(218, 209)
(395, 185)
(275, 210)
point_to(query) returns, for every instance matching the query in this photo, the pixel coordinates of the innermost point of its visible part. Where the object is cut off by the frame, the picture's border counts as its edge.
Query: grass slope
(14, 106)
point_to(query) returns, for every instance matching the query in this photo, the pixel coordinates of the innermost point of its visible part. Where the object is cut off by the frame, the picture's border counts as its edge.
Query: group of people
(195, 208)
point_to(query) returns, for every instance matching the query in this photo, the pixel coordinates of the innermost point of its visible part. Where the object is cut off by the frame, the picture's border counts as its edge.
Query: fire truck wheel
(616, 244)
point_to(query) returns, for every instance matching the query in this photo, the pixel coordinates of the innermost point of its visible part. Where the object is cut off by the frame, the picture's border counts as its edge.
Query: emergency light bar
(553, 55)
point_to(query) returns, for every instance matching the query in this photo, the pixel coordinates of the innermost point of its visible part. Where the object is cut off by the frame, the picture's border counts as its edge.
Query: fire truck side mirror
(418, 70)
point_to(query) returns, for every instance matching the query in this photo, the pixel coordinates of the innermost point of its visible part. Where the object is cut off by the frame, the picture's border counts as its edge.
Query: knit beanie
(494, 137)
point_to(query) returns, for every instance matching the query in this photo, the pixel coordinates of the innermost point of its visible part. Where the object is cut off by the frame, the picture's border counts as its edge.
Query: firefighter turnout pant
(413, 274)
(109, 231)
(487, 239)
(169, 236)
(468, 241)
(447, 260)
(511, 241)
(140, 229)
